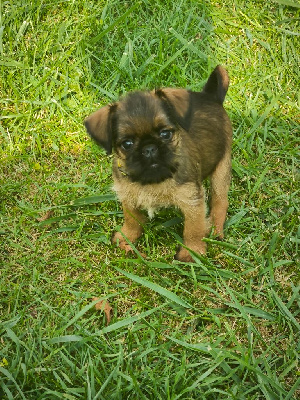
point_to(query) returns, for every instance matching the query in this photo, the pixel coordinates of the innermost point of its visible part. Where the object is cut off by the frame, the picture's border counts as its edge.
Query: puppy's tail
(217, 84)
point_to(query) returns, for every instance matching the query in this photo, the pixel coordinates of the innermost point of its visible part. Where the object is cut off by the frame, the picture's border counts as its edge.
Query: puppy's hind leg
(220, 182)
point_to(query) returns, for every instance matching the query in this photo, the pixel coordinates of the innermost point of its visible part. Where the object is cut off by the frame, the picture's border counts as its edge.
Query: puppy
(166, 142)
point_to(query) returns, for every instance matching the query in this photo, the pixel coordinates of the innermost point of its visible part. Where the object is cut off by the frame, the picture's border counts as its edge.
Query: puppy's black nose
(149, 150)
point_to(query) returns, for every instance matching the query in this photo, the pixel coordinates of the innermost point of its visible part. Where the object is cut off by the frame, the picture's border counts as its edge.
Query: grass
(223, 327)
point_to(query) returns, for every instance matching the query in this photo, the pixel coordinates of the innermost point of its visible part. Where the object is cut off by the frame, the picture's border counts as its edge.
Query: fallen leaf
(45, 216)
(103, 305)
(33, 312)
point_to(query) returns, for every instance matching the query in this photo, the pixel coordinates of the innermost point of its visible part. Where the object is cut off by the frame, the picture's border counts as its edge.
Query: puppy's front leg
(132, 227)
(195, 229)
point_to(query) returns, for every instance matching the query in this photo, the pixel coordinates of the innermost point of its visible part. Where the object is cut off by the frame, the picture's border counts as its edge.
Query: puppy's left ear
(217, 84)
(99, 127)
(177, 102)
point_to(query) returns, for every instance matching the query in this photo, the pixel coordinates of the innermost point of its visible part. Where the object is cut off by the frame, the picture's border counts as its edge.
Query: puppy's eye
(166, 134)
(127, 144)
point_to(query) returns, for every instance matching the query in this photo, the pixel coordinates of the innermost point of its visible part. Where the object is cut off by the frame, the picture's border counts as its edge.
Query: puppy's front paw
(119, 240)
(184, 255)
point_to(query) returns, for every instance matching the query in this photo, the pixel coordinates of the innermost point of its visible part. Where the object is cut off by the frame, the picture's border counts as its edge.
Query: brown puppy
(166, 142)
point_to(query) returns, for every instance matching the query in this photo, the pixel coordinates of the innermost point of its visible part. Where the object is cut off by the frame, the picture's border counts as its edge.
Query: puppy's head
(145, 128)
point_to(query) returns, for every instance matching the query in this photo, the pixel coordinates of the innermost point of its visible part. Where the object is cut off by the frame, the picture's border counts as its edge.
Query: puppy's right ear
(177, 103)
(217, 84)
(99, 127)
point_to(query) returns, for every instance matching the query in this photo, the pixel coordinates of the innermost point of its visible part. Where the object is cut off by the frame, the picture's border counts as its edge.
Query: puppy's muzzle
(150, 150)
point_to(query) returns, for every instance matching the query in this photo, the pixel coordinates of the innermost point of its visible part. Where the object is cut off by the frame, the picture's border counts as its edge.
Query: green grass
(223, 327)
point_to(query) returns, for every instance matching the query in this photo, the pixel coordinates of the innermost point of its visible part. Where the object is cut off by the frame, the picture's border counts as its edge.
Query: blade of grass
(156, 288)
(288, 3)
(127, 321)
(264, 115)
(220, 243)
(93, 200)
(285, 311)
(5, 372)
(82, 312)
(188, 44)
(65, 339)
(208, 349)
(115, 23)
(293, 389)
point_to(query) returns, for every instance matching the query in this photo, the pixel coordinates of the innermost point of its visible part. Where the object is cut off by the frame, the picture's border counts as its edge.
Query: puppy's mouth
(152, 173)
(152, 164)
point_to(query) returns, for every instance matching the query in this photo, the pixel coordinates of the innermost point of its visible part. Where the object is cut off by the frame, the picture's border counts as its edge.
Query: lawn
(223, 327)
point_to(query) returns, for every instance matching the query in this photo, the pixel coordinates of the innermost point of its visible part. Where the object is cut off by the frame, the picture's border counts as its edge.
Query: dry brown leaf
(33, 312)
(45, 216)
(103, 305)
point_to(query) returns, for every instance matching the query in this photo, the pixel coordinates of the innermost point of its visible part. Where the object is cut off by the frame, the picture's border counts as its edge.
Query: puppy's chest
(155, 196)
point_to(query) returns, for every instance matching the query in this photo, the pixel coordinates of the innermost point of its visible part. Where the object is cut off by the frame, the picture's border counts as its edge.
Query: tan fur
(201, 151)
(187, 197)
(164, 194)
(132, 228)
